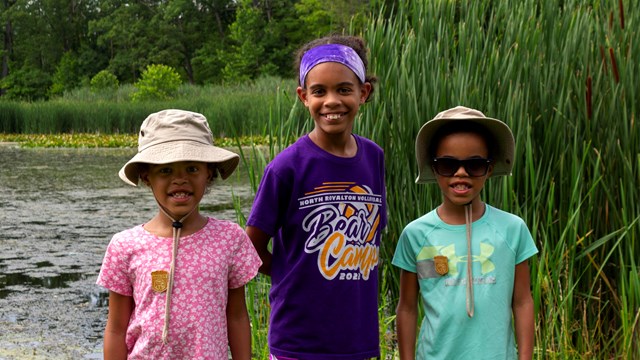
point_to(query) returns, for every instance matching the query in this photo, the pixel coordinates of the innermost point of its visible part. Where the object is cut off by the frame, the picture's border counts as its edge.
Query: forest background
(562, 73)
(53, 46)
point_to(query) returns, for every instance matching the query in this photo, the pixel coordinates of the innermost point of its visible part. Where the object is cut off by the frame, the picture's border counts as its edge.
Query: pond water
(58, 211)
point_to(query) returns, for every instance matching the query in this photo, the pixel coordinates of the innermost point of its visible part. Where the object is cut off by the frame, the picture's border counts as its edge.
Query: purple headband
(331, 53)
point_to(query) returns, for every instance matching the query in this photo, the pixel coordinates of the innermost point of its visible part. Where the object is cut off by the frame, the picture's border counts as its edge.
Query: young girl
(322, 200)
(465, 259)
(176, 283)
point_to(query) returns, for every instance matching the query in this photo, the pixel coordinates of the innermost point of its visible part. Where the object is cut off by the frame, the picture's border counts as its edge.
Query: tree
(8, 40)
(206, 62)
(194, 26)
(321, 18)
(266, 33)
(123, 33)
(66, 76)
(104, 81)
(66, 42)
(158, 82)
(37, 34)
(26, 83)
(243, 61)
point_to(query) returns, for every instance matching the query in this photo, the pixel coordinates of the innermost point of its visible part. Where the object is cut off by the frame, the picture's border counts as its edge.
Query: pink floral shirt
(209, 262)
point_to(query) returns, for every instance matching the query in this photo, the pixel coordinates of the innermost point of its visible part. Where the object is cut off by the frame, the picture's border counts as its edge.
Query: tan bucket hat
(177, 135)
(502, 159)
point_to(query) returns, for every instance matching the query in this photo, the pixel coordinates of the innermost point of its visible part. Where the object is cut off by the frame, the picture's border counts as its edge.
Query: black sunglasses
(475, 167)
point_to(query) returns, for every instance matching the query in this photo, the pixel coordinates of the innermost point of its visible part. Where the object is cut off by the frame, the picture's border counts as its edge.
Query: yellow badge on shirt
(159, 280)
(442, 264)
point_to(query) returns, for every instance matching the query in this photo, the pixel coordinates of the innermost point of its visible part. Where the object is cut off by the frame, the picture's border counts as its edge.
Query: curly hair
(354, 42)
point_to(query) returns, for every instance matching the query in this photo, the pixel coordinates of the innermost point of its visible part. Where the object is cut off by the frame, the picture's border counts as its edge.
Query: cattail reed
(588, 96)
(621, 8)
(614, 66)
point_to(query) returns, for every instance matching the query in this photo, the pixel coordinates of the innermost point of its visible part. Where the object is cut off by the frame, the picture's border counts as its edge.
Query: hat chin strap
(176, 227)
(468, 216)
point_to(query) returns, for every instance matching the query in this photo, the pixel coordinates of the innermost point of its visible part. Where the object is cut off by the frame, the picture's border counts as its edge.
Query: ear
(302, 95)
(365, 90)
(490, 170)
(144, 177)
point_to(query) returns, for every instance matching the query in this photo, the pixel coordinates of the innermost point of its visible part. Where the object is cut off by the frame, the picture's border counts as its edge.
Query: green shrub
(26, 83)
(104, 80)
(158, 82)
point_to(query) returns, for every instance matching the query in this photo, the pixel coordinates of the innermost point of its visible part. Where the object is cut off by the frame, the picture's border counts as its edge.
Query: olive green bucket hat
(505, 143)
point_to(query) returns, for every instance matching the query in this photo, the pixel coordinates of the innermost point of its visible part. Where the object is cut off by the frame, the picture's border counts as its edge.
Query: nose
(179, 176)
(332, 98)
(461, 172)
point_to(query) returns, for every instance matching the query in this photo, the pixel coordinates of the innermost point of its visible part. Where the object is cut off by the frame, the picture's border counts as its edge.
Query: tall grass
(231, 109)
(564, 76)
(573, 108)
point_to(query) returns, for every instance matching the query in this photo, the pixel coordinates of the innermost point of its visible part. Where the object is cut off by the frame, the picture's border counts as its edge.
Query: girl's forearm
(406, 323)
(525, 329)
(115, 347)
(239, 332)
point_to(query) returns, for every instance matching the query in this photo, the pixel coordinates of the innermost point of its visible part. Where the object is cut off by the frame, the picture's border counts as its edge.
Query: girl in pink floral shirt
(176, 283)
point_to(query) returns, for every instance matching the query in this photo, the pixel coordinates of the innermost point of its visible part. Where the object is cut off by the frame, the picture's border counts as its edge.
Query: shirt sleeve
(244, 261)
(526, 247)
(113, 272)
(270, 202)
(406, 252)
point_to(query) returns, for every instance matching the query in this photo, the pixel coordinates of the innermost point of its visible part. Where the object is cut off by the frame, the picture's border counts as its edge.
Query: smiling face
(333, 95)
(461, 188)
(178, 187)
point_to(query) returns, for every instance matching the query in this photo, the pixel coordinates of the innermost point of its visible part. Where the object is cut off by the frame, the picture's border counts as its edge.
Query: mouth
(334, 116)
(180, 195)
(460, 188)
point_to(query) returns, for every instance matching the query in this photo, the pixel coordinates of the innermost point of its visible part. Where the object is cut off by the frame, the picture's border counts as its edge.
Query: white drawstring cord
(176, 226)
(468, 215)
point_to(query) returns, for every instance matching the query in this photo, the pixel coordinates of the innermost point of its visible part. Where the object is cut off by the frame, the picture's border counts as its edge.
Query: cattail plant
(578, 146)
(542, 67)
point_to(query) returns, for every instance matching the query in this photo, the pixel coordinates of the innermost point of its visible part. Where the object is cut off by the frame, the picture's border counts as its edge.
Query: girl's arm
(407, 315)
(120, 308)
(238, 326)
(523, 311)
(260, 241)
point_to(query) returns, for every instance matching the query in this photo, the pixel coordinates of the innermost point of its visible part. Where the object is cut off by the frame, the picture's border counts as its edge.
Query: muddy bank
(58, 210)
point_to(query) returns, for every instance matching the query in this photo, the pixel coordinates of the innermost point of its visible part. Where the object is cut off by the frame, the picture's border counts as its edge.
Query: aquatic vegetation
(74, 140)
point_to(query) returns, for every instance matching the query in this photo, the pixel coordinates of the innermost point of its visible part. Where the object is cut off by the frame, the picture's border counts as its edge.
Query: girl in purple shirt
(322, 204)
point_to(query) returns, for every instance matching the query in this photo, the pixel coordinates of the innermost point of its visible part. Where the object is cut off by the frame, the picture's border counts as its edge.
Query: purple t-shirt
(326, 214)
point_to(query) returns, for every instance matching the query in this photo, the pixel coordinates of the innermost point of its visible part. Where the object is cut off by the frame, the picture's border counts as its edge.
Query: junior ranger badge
(159, 280)
(441, 264)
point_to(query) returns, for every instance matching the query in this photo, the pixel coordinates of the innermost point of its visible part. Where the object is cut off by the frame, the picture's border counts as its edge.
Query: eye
(345, 91)
(193, 169)
(164, 170)
(317, 92)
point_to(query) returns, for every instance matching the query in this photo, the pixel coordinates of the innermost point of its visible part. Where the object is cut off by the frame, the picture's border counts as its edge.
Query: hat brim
(169, 152)
(502, 161)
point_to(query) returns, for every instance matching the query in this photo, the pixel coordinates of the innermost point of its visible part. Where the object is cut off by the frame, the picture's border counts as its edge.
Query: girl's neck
(455, 214)
(160, 225)
(341, 145)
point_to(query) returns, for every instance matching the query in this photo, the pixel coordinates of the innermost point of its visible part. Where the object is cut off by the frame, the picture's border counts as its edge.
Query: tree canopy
(52, 46)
